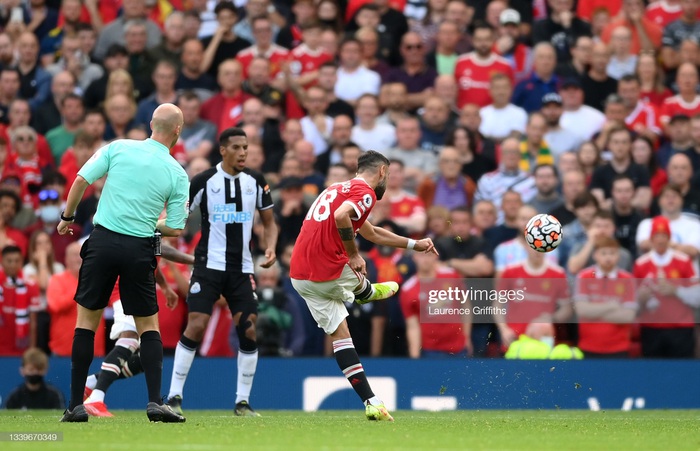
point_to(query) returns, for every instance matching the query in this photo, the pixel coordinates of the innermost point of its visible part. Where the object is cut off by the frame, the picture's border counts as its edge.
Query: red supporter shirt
(676, 105)
(216, 337)
(276, 55)
(18, 299)
(671, 310)
(303, 60)
(224, 111)
(319, 254)
(544, 289)
(444, 337)
(473, 77)
(586, 8)
(29, 173)
(69, 168)
(644, 115)
(662, 14)
(405, 206)
(387, 270)
(600, 337)
(656, 98)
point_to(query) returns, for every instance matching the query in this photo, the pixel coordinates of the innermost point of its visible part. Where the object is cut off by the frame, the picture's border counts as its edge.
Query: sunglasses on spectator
(413, 46)
(28, 138)
(48, 194)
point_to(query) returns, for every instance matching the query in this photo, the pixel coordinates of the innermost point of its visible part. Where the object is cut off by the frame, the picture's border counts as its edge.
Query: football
(543, 233)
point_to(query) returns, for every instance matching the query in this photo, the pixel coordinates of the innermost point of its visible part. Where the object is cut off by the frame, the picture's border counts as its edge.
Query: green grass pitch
(464, 430)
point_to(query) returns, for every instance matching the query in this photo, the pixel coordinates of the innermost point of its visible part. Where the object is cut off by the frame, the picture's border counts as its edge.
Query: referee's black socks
(81, 358)
(152, 362)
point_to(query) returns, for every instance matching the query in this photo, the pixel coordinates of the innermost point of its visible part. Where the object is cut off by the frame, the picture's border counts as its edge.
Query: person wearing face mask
(48, 217)
(35, 393)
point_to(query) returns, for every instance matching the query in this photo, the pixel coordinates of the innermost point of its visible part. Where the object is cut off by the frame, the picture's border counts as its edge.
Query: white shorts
(326, 300)
(122, 322)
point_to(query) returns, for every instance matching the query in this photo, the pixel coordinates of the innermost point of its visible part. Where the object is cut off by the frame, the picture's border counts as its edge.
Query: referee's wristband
(67, 218)
(411, 244)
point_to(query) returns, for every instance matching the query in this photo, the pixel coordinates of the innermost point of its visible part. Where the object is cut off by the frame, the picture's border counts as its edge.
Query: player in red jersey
(545, 296)
(327, 270)
(124, 360)
(666, 313)
(474, 70)
(605, 303)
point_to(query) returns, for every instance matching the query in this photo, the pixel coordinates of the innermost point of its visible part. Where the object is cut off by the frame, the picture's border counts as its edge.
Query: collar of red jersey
(662, 259)
(600, 274)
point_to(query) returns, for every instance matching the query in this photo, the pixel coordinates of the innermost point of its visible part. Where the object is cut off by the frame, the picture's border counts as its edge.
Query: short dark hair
(82, 26)
(83, 138)
(71, 96)
(13, 196)
(349, 40)
(310, 25)
(674, 188)
(543, 166)
(188, 95)
(369, 7)
(604, 214)
(629, 78)
(11, 249)
(223, 6)
(585, 199)
(328, 64)
(230, 133)
(397, 161)
(619, 177)
(461, 209)
(480, 24)
(53, 178)
(339, 165)
(95, 111)
(371, 161)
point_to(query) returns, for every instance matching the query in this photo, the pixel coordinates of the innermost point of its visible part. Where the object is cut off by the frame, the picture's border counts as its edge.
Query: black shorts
(108, 255)
(207, 285)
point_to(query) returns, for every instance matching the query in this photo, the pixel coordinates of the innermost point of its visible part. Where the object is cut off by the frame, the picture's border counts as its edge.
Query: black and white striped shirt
(227, 204)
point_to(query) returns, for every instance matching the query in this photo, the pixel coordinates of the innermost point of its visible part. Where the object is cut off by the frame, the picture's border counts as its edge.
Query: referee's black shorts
(108, 255)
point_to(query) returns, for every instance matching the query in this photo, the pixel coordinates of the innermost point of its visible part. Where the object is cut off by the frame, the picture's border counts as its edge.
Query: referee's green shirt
(142, 179)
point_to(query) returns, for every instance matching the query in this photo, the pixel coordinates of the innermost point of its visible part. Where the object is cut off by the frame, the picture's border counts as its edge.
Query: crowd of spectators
(490, 111)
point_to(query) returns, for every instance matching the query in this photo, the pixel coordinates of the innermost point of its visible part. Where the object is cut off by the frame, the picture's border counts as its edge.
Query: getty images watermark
(595, 300)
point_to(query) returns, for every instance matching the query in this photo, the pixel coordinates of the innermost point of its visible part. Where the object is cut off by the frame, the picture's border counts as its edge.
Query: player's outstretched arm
(383, 237)
(170, 253)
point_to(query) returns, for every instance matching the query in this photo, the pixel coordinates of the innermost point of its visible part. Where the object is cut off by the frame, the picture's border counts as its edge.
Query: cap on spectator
(551, 97)
(660, 224)
(571, 82)
(290, 182)
(271, 97)
(509, 16)
(116, 49)
(679, 118)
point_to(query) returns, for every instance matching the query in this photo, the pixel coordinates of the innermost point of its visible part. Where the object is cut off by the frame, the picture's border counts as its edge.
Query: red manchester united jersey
(544, 289)
(444, 337)
(276, 55)
(473, 77)
(676, 105)
(600, 337)
(319, 254)
(303, 60)
(670, 309)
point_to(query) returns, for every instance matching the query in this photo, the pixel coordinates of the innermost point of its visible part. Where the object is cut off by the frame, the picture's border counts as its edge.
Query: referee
(143, 178)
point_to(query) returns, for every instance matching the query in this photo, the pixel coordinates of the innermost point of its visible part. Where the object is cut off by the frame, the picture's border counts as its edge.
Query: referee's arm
(74, 196)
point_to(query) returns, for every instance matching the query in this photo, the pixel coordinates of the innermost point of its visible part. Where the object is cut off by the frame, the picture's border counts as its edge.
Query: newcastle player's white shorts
(122, 322)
